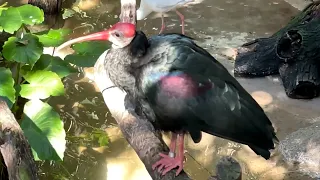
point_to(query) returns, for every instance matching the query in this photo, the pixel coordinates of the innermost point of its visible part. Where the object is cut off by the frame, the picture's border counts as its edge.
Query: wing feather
(226, 110)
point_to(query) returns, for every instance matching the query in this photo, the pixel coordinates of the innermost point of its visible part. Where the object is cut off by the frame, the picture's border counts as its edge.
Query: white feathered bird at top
(161, 6)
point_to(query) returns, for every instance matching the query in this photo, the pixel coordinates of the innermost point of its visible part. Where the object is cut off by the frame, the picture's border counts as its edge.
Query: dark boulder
(292, 52)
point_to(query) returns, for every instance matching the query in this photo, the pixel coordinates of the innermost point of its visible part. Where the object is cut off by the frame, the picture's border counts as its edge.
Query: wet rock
(230, 53)
(290, 52)
(302, 149)
(227, 169)
(299, 4)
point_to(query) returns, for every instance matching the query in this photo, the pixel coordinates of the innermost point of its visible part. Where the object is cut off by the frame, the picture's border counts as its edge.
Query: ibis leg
(169, 162)
(182, 20)
(163, 26)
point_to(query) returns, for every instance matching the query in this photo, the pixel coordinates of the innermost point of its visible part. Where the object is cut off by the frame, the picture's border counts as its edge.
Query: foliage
(87, 53)
(53, 37)
(12, 18)
(28, 78)
(7, 90)
(26, 50)
(42, 84)
(42, 126)
(67, 13)
(96, 136)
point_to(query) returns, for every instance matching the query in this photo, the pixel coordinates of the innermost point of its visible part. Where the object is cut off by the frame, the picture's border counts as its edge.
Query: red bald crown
(128, 29)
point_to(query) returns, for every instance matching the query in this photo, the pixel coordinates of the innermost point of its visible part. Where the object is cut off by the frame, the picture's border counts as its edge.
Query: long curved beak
(100, 36)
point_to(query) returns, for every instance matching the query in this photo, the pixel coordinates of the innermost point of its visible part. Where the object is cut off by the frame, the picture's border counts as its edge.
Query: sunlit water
(216, 25)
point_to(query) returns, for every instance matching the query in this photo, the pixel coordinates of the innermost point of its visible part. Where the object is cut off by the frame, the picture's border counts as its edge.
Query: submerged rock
(302, 148)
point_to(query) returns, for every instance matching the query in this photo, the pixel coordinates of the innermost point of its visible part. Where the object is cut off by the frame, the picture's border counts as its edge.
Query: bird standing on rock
(161, 6)
(181, 88)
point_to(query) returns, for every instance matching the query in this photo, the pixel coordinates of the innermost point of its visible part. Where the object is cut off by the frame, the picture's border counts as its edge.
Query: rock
(302, 148)
(230, 53)
(262, 98)
(227, 169)
(299, 4)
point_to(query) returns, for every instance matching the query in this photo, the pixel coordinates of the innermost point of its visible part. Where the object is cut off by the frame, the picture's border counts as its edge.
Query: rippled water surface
(216, 25)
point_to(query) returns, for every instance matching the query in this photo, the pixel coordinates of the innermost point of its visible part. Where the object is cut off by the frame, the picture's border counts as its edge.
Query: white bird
(161, 6)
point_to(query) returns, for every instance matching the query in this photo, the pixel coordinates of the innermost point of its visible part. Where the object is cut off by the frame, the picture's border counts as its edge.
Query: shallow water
(216, 25)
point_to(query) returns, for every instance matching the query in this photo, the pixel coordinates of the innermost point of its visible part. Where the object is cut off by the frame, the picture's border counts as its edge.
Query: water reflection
(216, 25)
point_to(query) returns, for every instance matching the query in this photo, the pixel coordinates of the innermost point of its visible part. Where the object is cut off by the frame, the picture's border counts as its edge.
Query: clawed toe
(167, 163)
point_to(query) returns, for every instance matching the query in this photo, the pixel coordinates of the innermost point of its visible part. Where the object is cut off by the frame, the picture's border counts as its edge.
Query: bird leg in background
(182, 20)
(169, 162)
(162, 24)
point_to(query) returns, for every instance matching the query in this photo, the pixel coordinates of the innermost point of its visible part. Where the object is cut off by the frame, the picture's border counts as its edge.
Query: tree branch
(15, 148)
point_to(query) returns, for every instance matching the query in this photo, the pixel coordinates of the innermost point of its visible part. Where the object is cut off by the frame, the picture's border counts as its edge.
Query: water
(216, 25)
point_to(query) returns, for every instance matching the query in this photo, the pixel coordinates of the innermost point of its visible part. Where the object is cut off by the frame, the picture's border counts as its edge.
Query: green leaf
(87, 53)
(7, 90)
(54, 64)
(25, 69)
(67, 13)
(53, 38)
(103, 140)
(31, 15)
(102, 137)
(27, 50)
(12, 18)
(44, 130)
(42, 85)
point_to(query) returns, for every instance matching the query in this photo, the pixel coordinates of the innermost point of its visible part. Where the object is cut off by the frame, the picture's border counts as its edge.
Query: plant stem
(25, 28)
(46, 101)
(18, 74)
(4, 4)
(17, 79)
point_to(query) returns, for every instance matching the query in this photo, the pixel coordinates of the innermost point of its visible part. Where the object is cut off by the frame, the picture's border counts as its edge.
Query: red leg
(172, 151)
(168, 162)
(162, 24)
(182, 20)
(173, 143)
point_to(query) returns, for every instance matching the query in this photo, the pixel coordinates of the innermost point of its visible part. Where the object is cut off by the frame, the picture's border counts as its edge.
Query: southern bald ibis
(181, 88)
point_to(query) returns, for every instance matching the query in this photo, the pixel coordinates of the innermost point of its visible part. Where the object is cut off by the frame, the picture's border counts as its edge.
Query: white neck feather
(143, 11)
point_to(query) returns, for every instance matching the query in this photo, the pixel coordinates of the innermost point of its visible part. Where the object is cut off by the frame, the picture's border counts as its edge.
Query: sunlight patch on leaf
(54, 37)
(44, 130)
(42, 84)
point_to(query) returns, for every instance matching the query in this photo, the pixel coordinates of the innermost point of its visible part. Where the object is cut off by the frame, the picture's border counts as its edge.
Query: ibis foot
(167, 163)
